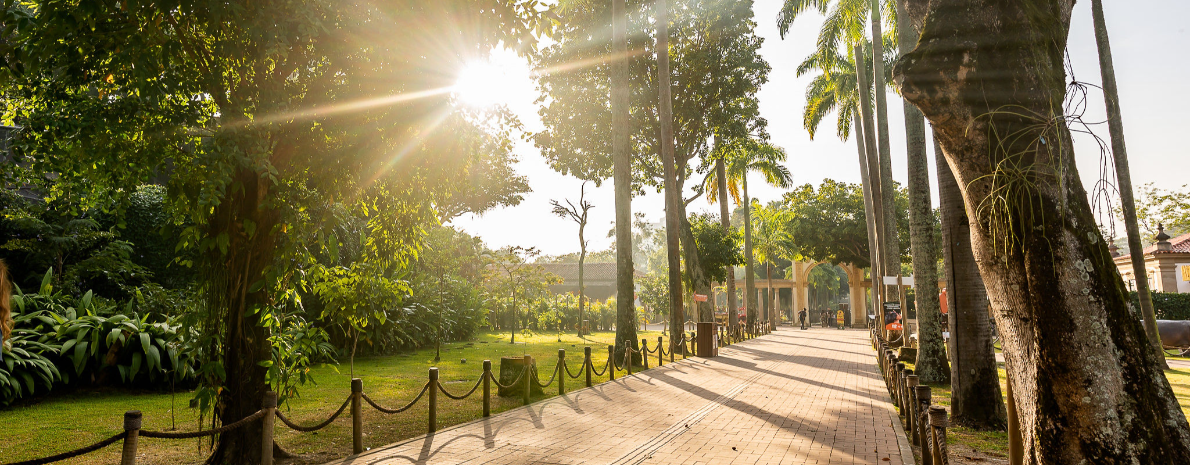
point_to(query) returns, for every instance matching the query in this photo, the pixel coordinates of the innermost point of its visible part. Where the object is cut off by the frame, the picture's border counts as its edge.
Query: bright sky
(1144, 41)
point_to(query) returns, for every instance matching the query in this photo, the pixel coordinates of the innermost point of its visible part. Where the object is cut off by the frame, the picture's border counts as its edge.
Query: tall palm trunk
(750, 263)
(622, 174)
(975, 399)
(891, 252)
(931, 366)
(874, 179)
(772, 296)
(673, 198)
(1087, 386)
(1115, 127)
(725, 219)
(869, 214)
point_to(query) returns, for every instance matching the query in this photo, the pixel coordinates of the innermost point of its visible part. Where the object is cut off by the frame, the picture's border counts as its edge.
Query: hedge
(1168, 305)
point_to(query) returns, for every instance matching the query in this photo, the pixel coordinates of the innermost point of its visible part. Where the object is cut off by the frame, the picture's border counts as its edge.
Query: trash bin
(707, 344)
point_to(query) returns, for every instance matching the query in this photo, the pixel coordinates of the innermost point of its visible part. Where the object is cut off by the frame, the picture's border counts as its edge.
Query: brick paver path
(791, 397)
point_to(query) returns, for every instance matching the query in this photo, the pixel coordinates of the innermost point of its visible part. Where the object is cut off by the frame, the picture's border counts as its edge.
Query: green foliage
(28, 360)
(1168, 207)
(717, 248)
(653, 291)
(1167, 305)
(716, 70)
(828, 223)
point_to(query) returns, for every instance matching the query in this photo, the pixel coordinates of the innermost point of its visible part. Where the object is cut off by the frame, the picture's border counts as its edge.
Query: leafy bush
(1167, 305)
(27, 360)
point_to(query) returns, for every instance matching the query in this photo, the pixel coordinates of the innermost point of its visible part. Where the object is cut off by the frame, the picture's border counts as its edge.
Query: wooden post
(906, 407)
(611, 363)
(899, 379)
(433, 423)
(587, 363)
(923, 406)
(628, 358)
(132, 421)
(911, 410)
(938, 423)
(487, 388)
(659, 350)
(644, 352)
(357, 419)
(269, 405)
(528, 377)
(561, 371)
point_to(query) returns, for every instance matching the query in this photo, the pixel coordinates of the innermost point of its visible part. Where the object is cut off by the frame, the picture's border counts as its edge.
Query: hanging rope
(514, 383)
(551, 381)
(199, 434)
(310, 429)
(424, 388)
(76, 452)
(464, 396)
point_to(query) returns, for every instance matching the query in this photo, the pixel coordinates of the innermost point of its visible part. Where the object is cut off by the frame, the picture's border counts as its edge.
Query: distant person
(801, 316)
(5, 308)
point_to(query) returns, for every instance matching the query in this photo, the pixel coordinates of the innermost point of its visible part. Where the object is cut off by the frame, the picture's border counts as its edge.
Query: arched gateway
(799, 288)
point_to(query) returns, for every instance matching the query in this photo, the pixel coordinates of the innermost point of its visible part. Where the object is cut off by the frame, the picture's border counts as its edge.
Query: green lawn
(995, 443)
(67, 420)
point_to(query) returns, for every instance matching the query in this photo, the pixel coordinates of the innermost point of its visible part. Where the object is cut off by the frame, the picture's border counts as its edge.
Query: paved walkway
(792, 397)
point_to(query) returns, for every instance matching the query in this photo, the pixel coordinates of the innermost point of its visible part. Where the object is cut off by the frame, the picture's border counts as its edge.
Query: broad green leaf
(137, 359)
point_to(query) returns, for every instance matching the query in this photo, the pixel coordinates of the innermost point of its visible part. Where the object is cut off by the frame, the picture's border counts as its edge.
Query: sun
(485, 83)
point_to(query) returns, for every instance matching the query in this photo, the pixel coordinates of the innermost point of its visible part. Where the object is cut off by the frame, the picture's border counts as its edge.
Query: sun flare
(484, 84)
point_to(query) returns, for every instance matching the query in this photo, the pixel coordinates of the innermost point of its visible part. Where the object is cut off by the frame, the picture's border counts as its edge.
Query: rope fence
(925, 423)
(527, 378)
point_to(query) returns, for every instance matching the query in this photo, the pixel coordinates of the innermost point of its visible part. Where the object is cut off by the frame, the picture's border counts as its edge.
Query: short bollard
(628, 358)
(911, 381)
(659, 350)
(673, 347)
(561, 371)
(132, 421)
(644, 352)
(587, 363)
(487, 388)
(899, 381)
(269, 405)
(357, 419)
(528, 377)
(433, 422)
(923, 407)
(611, 363)
(905, 407)
(938, 423)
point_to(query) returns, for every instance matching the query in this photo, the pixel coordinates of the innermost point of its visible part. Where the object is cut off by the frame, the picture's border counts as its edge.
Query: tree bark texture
(725, 219)
(975, 398)
(892, 247)
(932, 366)
(699, 283)
(749, 261)
(874, 179)
(622, 178)
(246, 341)
(1115, 127)
(989, 76)
(869, 214)
(673, 197)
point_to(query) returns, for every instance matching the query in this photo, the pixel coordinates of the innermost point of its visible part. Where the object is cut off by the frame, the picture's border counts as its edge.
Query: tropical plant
(28, 360)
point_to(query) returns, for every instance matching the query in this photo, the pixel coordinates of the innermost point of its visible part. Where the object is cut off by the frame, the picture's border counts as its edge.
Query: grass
(67, 420)
(995, 443)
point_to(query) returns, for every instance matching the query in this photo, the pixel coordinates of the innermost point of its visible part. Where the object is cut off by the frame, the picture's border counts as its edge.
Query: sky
(1144, 37)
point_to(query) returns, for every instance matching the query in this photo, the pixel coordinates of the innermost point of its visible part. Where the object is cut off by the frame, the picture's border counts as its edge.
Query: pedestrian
(801, 316)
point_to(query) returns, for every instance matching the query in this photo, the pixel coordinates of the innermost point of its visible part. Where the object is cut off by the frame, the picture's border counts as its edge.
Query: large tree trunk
(245, 339)
(699, 282)
(869, 214)
(891, 250)
(1115, 127)
(931, 366)
(989, 75)
(622, 173)
(881, 269)
(749, 262)
(725, 220)
(975, 398)
(673, 197)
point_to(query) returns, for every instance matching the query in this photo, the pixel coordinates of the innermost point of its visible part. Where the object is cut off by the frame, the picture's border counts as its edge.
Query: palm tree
(741, 157)
(1115, 127)
(932, 366)
(771, 241)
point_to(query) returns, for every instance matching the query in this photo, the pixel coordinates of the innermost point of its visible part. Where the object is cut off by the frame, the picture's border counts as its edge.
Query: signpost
(700, 297)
